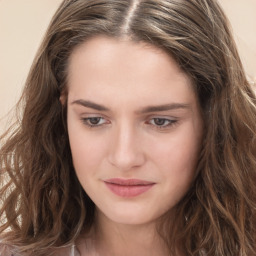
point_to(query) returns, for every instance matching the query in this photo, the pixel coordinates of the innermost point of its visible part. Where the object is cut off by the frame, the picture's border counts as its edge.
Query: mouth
(128, 187)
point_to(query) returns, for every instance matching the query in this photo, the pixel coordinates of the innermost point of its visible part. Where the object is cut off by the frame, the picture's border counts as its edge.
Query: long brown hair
(43, 204)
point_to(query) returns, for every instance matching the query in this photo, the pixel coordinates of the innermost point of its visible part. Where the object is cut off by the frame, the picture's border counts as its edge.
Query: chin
(130, 215)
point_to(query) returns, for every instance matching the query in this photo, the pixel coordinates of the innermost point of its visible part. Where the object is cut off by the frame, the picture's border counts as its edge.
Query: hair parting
(43, 205)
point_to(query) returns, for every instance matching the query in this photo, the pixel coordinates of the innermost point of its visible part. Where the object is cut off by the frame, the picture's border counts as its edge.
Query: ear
(63, 98)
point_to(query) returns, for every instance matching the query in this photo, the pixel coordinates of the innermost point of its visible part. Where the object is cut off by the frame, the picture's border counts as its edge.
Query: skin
(132, 114)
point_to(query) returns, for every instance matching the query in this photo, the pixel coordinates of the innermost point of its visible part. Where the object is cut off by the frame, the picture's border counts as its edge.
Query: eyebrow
(90, 104)
(165, 107)
(148, 109)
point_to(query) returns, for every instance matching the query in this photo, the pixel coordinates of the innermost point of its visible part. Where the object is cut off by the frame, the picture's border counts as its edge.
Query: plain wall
(23, 23)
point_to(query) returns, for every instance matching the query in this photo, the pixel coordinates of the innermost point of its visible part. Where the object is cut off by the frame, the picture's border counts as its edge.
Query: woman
(137, 136)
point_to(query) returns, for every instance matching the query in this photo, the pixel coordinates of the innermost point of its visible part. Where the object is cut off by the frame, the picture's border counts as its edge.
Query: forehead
(107, 66)
(107, 51)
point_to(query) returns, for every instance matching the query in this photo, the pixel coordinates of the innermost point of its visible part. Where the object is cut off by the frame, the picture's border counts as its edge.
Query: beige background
(23, 23)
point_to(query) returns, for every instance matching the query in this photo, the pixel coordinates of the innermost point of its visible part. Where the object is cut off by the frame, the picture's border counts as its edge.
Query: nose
(126, 150)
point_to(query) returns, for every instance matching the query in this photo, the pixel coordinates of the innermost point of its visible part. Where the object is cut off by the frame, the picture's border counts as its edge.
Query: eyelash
(87, 121)
(167, 122)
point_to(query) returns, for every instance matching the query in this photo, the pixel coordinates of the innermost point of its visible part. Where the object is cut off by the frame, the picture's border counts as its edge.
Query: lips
(128, 187)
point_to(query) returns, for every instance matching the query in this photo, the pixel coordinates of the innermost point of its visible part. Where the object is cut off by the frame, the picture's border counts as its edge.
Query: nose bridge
(126, 149)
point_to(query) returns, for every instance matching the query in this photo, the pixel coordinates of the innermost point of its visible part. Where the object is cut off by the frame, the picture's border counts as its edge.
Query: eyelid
(171, 121)
(87, 119)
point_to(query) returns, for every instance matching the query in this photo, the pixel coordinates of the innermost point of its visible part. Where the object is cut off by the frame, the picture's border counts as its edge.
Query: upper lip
(128, 182)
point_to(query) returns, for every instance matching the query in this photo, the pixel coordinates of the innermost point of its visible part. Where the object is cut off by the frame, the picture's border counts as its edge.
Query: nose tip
(126, 152)
(126, 161)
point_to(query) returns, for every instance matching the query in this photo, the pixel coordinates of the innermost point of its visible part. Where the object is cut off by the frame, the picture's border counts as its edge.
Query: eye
(161, 122)
(94, 121)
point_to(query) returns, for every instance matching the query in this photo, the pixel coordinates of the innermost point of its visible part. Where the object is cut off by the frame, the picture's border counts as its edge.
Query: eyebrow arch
(164, 107)
(148, 109)
(90, 104)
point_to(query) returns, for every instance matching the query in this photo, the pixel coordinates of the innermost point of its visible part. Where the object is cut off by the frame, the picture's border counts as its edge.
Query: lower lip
(128, 191)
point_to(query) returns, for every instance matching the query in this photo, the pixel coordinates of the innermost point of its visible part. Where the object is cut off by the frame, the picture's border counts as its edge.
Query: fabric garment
(74, 251)
(6, 250)
(71, 251)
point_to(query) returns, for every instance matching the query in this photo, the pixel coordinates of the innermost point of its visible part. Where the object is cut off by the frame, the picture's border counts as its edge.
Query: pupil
(94, 120)
(159, 121)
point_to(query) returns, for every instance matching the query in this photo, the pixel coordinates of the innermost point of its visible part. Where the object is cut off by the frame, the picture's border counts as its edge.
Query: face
(134, 126)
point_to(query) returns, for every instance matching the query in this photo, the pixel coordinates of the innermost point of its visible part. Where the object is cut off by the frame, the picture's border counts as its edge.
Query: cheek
(177, 155)
(177, 166)
(87, 152)
(87, 159)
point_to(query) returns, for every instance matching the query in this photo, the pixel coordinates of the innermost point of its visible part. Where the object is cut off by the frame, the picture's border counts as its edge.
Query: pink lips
(128, 187)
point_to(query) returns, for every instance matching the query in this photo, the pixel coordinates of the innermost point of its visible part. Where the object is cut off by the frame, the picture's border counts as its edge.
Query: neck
(115, 239)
